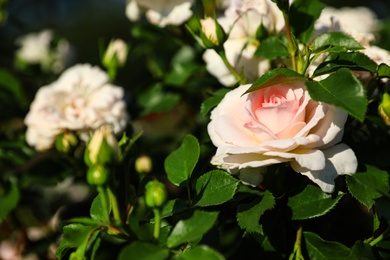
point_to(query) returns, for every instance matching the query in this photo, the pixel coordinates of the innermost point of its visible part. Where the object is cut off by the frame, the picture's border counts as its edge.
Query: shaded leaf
(201, 252)
(351, 60)
(340, 40)
(363, 251)
(317, 248)
(96, 210)
(193, 228)
(383, 70)
(274, 77)
(144, 251)
(75, 234)
(248, 215)
(181, 162)
(341, 89)
(11, 84)
(312, 202)
(368, 186)
(172, 207)
(155, 100)
(302, 15)
(9, 200)
(215, 187)
(271, 48)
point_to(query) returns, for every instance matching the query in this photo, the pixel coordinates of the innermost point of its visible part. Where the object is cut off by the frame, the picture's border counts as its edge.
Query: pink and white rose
(279, 124)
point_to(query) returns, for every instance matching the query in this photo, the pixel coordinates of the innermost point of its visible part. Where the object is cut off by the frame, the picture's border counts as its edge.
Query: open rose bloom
(279, 124)
(82, 99)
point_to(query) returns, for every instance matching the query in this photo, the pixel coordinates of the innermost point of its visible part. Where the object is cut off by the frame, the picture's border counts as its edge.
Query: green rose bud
(143, 164)
(115, 54)
(65, 141)
(155, 194)
(97, 175)
(102, 148)
(212, 34)
(384, 108)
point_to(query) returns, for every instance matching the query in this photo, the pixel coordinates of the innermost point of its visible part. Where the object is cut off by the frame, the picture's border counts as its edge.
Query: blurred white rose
(241, 20)
(160, 12)
(42, 49)
(81, 99)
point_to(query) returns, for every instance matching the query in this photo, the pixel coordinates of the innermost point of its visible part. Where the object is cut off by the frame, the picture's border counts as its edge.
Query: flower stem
(114, 205)
(157, 222)
(104, 200)
(297, 253)
(291, 44)
(380, 237)
(232, 70)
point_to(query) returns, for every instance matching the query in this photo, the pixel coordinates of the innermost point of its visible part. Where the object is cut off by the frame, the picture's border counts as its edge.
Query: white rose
(35, 47)
(280, 124)
(160, 12)
(81, 99)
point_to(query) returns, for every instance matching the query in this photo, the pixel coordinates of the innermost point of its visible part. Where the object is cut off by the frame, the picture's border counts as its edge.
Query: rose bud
(97, 175)
(384, 108)
(211, 34)
(65, 141)
(143, 164)
(115, 54)
(103, 147)
(155, 194)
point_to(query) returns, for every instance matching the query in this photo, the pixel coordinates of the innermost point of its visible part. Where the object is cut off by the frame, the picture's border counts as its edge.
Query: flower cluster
(81, 100)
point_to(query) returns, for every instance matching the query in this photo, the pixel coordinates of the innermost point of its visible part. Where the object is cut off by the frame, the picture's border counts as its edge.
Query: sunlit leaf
(334, 39)
(383, 70)
(271, 48)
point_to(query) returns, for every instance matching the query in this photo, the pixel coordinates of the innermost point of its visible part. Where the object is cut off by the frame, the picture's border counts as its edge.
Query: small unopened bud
(115, 54)
(212, 34)
(97, 175)
(155, 194)
(384, 108)
(143, 164)
(65, 141)
(103, 147)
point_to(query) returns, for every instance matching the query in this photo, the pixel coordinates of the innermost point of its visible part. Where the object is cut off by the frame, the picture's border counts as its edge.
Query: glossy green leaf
(215, 187)
(274, 77)
(312, 202)
(144, 251)
(96, 210)
(9, 200)
(181, 162)
(212, 101)
(193, 228)
(334, 39)
(320, 249)
(271, 48)
(383, 70)
(75, 234)
(341, 89)
(368, 186)
(302, 15)
(248, 215)
(351, 60)
(201, 252)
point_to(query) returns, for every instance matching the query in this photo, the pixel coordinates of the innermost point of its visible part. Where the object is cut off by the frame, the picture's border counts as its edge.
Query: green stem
(291, 45)
(114, 205)
(157, 222)
(232, 70)
(104, 200)
(380, 237)
(297, 253)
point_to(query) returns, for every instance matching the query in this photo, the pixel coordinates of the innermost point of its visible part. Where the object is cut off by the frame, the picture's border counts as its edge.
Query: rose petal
(340, 159)
(306, 158)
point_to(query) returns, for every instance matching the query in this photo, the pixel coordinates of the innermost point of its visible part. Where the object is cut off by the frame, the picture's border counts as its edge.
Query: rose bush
(278, 124)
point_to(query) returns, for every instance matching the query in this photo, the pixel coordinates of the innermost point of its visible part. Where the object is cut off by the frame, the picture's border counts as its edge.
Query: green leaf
(201, 252)
(341, 89)
(144, 251)
(213, 101)
(193, 228)
(248, 215)
(10, 83)
(173, 207)
(75, 234)
(155, 100)
(383, 70)
(9, 200)
(312, 202)
(271, 48)
(181, 162)
(319, 249)
(274, 77)
(214, 188)
(362, 251)
(334, 39)
(96, 210)
(302, 15)
(351, 60)
(368, 186)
